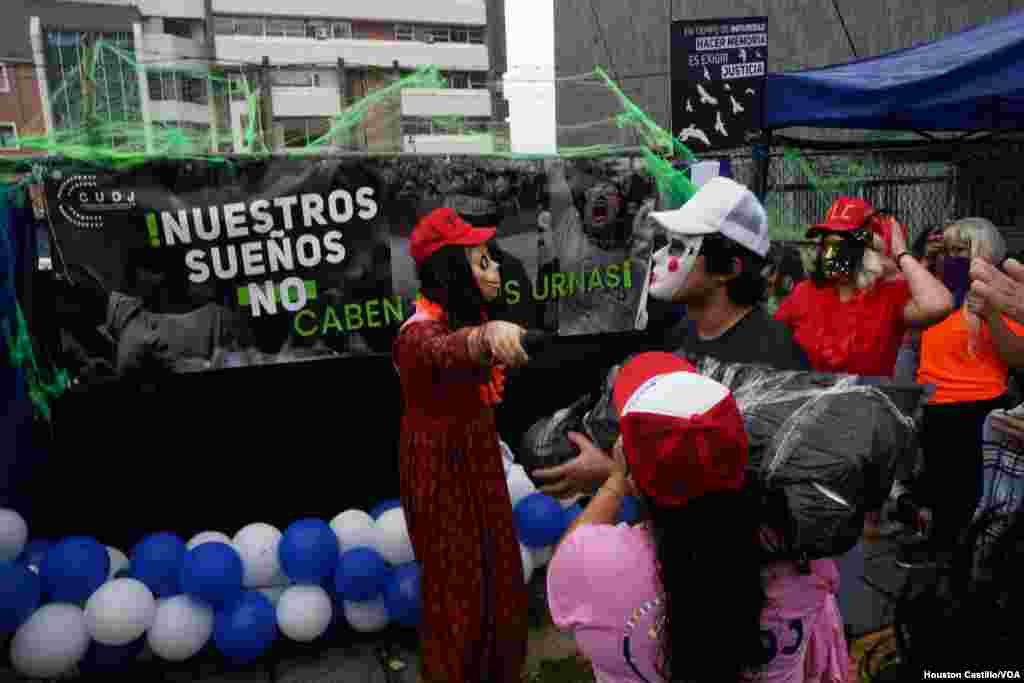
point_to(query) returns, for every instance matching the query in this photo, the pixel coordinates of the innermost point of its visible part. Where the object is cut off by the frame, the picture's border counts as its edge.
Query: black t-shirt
(756, 338)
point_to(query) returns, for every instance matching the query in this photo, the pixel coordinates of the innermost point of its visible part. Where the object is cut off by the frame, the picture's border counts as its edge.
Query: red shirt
(859, 337)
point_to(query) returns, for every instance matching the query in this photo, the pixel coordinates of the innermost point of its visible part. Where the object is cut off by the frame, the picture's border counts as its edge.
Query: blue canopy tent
(969, 81)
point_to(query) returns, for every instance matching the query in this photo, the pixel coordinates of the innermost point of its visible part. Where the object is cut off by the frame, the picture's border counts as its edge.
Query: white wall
(162, 50)
(467, 57)
(428, 11)
(167, 110)
(530, 80)
(448, 144)
(179, 9)
(306, 102)
(434, 102)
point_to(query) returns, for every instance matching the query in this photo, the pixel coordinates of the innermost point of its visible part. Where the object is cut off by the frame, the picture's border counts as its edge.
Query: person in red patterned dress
(451, 359)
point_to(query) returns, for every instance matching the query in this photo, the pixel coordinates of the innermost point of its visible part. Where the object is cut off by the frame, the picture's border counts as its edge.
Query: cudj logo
(84, 204)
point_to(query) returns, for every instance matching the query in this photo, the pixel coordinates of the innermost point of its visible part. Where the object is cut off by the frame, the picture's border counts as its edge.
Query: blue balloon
(571, 513)
(630, 510)
(361, 574)
(403, 596)
(380, 508)
(212, 573)
(20, 595)
(156, 561)
(540, 520)
(34, 552)
(100, 657)
(245, 629)
(73, 569)
(308, 551)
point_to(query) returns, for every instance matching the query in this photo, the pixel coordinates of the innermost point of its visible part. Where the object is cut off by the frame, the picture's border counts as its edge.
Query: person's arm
(466, 354)
(606, 504)
(930, 301)
(1009, 345)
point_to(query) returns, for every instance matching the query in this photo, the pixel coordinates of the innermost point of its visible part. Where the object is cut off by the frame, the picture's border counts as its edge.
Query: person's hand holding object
(583, 474)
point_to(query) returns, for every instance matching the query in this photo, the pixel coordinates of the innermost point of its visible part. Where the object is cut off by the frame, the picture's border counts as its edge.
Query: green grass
(568, 670)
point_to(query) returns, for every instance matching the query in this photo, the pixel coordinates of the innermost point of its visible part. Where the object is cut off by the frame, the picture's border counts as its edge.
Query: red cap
(440, 228)
(845, 214)
(682, 433)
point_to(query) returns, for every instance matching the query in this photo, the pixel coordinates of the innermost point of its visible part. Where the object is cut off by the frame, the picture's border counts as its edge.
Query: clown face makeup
(671, 265)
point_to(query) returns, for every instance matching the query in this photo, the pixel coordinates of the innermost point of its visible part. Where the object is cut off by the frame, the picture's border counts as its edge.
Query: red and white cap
(682, 433)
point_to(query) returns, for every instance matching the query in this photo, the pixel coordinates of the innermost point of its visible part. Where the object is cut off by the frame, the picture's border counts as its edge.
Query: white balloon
(304, 613)
(541, 556)
(257, 544)
(51, 642)
(181, 628)
(208, 537)
(508, 458)
(118, 561)
(392, 538)
(527, 557)
(13, 534)
(119, 612)
(273, 593)
(367, 617)
(354, 528)
(519, 484)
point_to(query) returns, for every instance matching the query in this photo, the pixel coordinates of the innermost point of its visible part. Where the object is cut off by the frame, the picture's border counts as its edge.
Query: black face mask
(840, 260)
(956, 276)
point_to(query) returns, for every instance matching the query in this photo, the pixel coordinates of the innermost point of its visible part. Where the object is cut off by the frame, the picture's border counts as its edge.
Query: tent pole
(762, 153)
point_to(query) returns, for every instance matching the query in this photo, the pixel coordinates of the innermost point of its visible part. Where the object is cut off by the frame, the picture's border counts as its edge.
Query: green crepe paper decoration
(20, 349)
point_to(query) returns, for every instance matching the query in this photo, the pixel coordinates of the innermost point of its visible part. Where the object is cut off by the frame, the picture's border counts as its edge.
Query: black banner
(186, 266)
(719, 69)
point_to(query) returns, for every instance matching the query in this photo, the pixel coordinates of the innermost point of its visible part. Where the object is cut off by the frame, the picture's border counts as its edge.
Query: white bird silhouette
(691, 131)
(750, 91)
(728, 87)
(736, 107)
(689, 107)
(707, 76)
(720, 126)
(743, 54)
(706, 98)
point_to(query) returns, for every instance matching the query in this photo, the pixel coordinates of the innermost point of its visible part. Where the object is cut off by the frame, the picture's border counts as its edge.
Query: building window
(458, 80)
(249, 26)
(291, 78)
(438, 34)
(286, 28)
(178, 27)
(224, 26)
(460, 35)
(404, 32)
(8, 136)
(193, 90)
(302, 132)
(476, 35)
(5, 79)
(478, 79)
(416, 126)
(320, 30)
(163, 86)
(341, 29)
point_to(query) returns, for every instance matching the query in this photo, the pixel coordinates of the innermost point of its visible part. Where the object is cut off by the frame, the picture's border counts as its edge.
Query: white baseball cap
(721, 206)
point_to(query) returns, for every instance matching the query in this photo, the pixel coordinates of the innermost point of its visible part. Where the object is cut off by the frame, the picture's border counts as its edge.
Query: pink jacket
(602, 585)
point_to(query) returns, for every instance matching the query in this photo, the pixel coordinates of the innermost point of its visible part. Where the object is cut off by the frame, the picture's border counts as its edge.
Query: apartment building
(317, 59)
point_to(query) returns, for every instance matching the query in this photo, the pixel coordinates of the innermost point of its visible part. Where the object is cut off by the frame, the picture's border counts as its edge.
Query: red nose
(673, 264)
